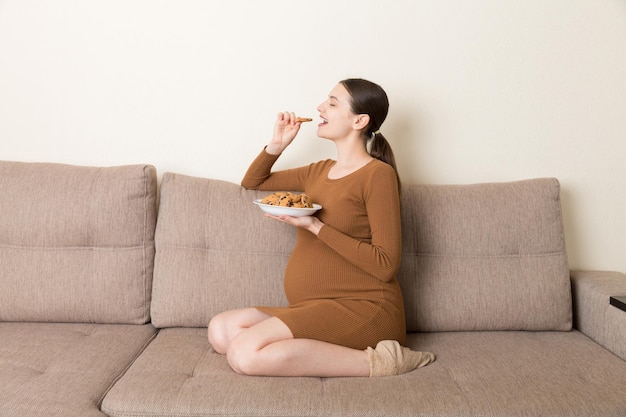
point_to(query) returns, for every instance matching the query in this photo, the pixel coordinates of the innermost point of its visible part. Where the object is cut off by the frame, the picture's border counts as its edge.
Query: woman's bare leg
(268, 348)
(224, 327)
(258, 344)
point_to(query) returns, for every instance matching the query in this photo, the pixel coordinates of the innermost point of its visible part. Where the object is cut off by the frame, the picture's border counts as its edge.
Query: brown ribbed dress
(341, 285)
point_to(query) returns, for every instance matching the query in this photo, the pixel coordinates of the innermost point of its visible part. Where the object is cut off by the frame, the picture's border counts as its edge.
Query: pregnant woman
(345, 315)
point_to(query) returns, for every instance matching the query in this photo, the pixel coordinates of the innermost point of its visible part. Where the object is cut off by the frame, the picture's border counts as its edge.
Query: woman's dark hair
(369, 98)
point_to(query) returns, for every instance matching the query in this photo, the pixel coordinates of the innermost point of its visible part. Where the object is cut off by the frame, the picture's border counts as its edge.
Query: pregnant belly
(317, 272)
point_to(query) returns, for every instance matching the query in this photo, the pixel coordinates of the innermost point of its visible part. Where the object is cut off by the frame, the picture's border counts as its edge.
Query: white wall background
(480, 91)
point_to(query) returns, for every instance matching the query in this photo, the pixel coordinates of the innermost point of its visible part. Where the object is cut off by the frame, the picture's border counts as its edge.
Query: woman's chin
(321, 134)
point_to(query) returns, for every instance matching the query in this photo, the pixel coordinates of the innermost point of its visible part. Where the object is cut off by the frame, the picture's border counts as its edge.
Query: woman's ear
(361, 121)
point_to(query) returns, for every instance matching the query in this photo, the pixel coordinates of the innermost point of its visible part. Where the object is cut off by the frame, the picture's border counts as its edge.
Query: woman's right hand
(310, 223)
(285, 130)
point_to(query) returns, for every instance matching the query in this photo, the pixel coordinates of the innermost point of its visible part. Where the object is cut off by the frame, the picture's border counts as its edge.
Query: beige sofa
(103, 308)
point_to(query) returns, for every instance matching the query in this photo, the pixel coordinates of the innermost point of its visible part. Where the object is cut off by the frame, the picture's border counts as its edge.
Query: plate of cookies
(287, 203)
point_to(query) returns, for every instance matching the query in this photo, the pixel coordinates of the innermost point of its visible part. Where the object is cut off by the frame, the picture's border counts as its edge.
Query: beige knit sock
(389, 358)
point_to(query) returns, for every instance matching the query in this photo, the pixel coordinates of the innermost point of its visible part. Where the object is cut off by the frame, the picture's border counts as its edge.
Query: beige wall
(483, 90)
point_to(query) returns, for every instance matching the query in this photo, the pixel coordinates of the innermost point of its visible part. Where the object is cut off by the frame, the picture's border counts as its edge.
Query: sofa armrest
(593, 314)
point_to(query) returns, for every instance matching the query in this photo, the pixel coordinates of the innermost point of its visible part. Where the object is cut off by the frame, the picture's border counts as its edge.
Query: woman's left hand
(310, 223)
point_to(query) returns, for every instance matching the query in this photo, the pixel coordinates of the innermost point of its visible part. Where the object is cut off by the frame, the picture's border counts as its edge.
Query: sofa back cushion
(485, 257)
(76, 243)
(215, 251)
(475, 257)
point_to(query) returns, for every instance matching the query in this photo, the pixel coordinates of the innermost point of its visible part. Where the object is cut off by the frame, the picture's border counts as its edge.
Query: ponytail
(381, 150)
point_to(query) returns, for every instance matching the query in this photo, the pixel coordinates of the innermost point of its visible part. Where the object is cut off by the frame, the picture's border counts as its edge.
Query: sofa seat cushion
(63, 370)
(510, 374)
(476, 373)
(76, 243)
(179, 374)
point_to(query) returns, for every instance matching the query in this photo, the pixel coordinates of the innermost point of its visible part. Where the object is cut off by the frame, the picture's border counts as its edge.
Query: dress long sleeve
(260, 177)
(380, 255)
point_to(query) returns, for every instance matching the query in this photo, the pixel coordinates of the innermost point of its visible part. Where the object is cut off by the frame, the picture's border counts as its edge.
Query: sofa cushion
(485, 257)
(76, 243)
(64, 369)
(215, 251)
(476, 374)
(475, 257)
(180, 375)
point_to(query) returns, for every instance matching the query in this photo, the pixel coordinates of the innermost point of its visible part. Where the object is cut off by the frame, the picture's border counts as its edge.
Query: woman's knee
(218, 335)
(257, 351)
(246, 359)
(225, 326)
(239, 359)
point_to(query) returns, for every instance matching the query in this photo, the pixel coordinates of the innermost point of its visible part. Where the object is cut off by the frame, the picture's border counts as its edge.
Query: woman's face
(336, 114)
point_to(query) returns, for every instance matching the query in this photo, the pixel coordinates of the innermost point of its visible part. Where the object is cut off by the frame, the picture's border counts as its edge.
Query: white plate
(289, 211)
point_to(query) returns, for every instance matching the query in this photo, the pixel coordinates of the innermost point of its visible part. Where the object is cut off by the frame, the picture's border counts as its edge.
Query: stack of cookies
(288, 199)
